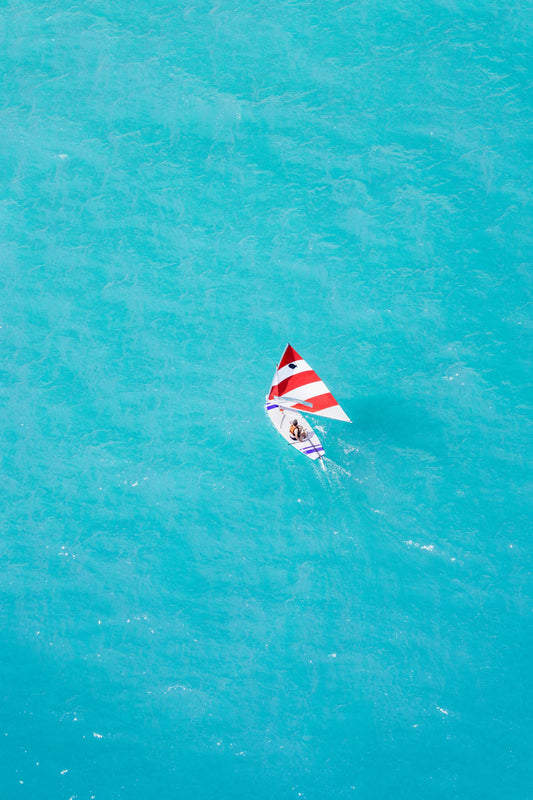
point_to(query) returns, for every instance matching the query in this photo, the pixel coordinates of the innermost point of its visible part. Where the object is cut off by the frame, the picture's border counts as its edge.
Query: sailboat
(297, 388)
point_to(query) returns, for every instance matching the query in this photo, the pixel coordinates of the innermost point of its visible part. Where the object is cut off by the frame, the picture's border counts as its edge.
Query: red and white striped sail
(295, 381)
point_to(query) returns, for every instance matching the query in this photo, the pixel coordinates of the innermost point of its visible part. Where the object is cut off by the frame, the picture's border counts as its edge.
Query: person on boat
(296, 432)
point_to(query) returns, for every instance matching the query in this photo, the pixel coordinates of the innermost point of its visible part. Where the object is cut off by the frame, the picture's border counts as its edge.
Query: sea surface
(189, 609)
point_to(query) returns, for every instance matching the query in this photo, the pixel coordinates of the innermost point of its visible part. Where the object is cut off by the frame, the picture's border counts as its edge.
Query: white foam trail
(333, 475)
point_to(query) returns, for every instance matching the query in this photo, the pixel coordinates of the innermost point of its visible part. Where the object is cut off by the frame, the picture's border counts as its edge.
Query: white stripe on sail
(309, 390)
(286, 371)
(333, 412)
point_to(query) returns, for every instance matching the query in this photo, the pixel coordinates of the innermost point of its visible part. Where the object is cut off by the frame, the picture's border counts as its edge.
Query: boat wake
(333, 475)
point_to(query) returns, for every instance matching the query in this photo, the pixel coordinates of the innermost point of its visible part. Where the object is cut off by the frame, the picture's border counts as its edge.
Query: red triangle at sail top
(289, 355)
(295, 380)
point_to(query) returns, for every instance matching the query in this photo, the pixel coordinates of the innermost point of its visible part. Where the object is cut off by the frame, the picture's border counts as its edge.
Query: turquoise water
(189, 608)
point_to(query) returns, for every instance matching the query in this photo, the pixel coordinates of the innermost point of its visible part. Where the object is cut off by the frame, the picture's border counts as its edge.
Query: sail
(297, 386)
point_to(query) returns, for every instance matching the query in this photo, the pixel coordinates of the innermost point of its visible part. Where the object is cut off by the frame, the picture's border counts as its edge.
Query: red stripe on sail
(288, 357)
(294, 382)
(320, 402)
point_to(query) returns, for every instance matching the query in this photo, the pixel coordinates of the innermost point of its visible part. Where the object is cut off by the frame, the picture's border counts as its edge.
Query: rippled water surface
(189, 608)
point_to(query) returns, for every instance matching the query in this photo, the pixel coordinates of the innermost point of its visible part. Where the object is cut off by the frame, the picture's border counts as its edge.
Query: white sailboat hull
(282, 418)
